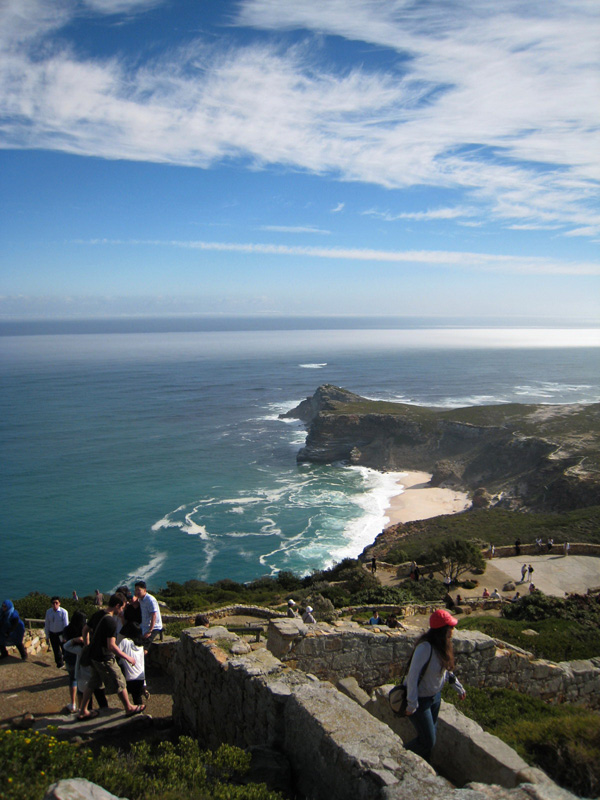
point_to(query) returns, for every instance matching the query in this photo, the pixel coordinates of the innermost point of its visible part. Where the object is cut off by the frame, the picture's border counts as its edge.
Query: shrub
(396, 556)
(177, 771)
(563, 740)
(288, 581)
(424, 590)
(556, 640)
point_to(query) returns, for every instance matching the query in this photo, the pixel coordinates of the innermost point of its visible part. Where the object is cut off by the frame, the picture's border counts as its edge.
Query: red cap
(440, 618)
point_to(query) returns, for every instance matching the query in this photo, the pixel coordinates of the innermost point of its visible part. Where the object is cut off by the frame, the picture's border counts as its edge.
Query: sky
(299, 157)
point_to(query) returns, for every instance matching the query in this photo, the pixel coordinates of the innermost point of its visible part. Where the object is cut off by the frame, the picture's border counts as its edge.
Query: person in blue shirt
(12, 630)
(375, 619)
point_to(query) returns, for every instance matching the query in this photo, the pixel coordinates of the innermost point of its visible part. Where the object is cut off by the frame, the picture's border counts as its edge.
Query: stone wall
(376, 657)
(335, 748)
(34, 641)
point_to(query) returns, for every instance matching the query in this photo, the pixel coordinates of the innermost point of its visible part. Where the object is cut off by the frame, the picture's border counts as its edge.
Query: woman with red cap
(430, 667)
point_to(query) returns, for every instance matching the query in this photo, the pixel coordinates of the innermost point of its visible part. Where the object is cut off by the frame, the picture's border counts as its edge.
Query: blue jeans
(425, 722)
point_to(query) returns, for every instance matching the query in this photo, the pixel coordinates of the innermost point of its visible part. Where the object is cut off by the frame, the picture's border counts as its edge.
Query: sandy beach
(418, 500)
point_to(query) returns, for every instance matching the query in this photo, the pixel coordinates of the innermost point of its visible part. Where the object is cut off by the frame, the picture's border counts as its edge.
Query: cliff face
(525, 455)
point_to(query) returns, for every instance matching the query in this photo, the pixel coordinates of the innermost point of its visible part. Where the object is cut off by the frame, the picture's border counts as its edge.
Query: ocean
(153, 449)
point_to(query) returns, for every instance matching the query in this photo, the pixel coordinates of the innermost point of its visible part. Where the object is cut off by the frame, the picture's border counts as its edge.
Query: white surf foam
(146, 571)
(312, 366)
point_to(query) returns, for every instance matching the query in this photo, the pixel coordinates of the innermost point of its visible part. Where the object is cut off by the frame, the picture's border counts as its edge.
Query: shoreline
(418, 500)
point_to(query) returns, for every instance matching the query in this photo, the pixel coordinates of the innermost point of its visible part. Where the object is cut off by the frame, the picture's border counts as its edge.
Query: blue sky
(302, 157)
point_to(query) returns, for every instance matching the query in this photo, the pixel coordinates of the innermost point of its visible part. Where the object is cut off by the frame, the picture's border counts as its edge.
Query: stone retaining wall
(375, 657)
(34, 641)
(335, 748)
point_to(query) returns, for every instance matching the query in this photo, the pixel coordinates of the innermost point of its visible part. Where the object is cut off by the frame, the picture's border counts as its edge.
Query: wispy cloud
(435, 258)
(495, 100)
(422, 216)
(338, 208)
(293, 229)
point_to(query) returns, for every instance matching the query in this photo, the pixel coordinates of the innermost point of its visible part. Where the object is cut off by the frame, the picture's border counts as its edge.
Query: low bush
(556, 639)
(563, 740)
(168, 771)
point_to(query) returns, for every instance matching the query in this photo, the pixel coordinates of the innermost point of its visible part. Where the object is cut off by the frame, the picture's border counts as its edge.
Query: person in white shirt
(55, 622)
(151, 619)
(135, 676)
(307, 617)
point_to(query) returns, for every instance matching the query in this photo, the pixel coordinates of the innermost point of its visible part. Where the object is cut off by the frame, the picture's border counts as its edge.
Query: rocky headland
(516, 456)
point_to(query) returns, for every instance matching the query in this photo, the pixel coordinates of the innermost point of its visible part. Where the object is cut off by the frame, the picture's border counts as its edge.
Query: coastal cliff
(524, 456)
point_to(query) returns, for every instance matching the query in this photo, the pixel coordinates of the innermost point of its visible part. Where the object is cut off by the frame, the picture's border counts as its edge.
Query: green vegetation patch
(167, 771)
(494, 526)
(567, 629)
(556, 639)
(563, 740)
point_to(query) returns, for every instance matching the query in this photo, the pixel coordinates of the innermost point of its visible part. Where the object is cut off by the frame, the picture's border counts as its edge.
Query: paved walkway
(553, 574)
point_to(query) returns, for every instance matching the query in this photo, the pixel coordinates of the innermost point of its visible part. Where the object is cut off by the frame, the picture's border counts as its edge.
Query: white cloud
(498, 100)
(338, 208)
(293, 229)
(422, 216)
(485, 262)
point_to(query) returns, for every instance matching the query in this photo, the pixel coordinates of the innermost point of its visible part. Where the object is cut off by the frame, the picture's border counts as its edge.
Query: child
(131, 643)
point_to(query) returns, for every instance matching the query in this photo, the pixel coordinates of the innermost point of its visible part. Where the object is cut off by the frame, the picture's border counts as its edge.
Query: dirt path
(37, 687)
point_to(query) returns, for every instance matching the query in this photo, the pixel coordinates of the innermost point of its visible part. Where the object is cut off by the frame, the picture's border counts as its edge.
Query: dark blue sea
(153, 449)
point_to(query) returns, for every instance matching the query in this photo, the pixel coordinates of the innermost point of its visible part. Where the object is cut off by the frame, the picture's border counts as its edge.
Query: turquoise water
(161, 455)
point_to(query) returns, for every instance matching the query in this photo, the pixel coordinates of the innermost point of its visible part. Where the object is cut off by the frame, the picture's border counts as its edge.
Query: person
(540, 544)
(72, 644)
(430, 668)
(531, 588)
(448, 582)
(523, 572)
(566, 548)
(530, 572)
(417, 573)
(375, 619)
(492, 551)
(105, 670)
(12, 630)
(75, 596)
(373, 565)
(392, 621)
(55, 622)
(135, 676)
(458, 599)
(291, 611)
(98, 598)
(485, 593)
(550, 543)
(518, 546)
(307, 617)
(516, 598)
(132, 611)
(151, 619)
(495, 595)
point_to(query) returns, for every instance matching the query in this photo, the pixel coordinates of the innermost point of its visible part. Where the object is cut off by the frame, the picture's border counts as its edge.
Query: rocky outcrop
(535, 456)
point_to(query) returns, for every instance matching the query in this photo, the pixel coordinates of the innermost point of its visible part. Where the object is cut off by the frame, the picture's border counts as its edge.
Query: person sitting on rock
(485, 594)
(291, 611)
(12, 630)
(392, 621)
(375, 619)
(495, 595)
(307, 617)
